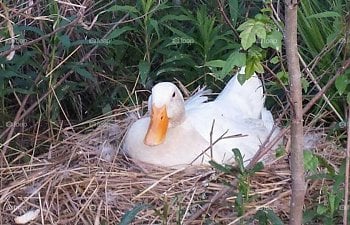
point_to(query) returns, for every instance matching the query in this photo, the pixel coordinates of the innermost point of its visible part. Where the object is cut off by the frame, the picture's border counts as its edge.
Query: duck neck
(178, 117)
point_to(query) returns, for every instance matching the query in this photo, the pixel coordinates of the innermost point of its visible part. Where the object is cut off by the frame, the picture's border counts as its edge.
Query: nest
(84, 179)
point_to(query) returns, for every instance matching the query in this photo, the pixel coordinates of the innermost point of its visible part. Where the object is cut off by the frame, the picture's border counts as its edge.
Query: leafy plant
(329, 210)
(243, 176)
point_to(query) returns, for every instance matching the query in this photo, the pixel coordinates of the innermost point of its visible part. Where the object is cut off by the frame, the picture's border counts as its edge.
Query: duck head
(167, 109)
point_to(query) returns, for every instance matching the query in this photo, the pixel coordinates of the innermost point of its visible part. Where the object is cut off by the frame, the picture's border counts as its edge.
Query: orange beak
(158, 126)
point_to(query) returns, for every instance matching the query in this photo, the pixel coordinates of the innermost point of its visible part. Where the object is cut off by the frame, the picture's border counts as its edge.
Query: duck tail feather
(198, 98)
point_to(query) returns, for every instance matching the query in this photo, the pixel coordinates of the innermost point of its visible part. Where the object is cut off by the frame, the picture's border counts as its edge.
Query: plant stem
(297, 162)
(346, 198)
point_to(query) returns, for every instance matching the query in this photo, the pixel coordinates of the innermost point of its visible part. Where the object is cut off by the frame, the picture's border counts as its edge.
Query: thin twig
(340, 71)
(227, 20)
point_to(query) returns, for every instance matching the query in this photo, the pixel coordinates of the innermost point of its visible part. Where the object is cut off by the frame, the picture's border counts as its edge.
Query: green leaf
(324, 14)
(341, 83)
(253, 65)
(275, 60)
(257, 167)
(234, 11)
(239, 160)
(235, 59)
(223, 168)
(65, 41)
(305, 84)
(321, 209)
(250, 30)
(19, 29)
(283, 76)
(280, 151)
(154, 24)
(131, 214)
(144, 68)
(331, 202)
(215, 63)
(83, 72)
(123, 8)
(310, 162)
(239, 204)
(241, 78)
(175, 17)
(274, 219)
(169, 69)
(273, 40)
(107, 109)
(119, 31)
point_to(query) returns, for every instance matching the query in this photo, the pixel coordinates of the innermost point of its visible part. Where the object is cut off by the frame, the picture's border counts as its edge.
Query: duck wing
(245, 100)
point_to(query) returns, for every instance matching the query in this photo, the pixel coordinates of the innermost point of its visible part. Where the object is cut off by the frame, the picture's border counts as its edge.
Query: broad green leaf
(273, 40)
(235, 59)
(250, 30)
(131, 214)
(324, 14)
(144, 68)
(341, 83)
(253, 65)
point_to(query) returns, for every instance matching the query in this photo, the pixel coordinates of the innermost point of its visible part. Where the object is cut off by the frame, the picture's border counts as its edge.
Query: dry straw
(84, 179)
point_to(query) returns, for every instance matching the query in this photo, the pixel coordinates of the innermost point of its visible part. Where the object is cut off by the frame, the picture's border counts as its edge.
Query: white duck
(179, 133)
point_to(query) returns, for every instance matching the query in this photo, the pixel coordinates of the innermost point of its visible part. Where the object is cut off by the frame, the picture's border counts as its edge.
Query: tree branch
(297, 162)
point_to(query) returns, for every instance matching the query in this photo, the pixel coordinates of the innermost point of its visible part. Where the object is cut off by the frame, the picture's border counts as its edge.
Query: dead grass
(81, 180)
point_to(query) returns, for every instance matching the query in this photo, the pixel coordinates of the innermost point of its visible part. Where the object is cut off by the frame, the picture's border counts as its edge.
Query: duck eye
(173, 94)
